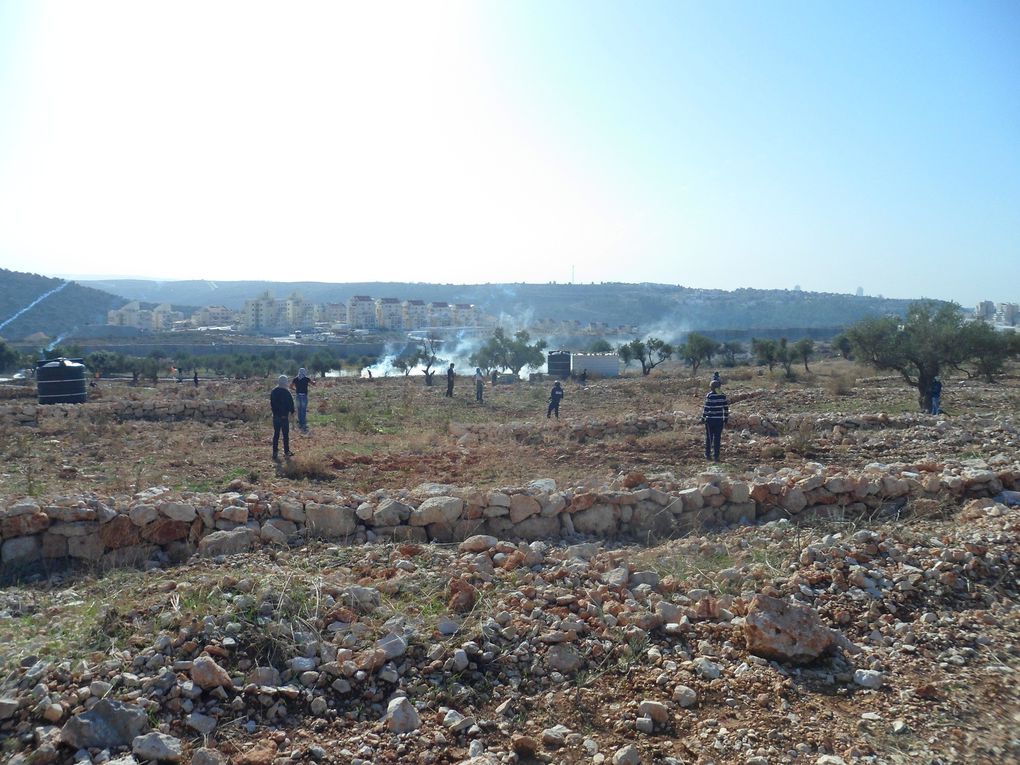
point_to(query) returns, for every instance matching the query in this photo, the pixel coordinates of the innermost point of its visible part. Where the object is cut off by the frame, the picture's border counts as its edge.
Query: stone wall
(33, 414)
(166, 526)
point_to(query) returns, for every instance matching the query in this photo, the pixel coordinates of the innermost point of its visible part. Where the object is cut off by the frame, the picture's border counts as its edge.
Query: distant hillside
(30, 303)
(664, 308)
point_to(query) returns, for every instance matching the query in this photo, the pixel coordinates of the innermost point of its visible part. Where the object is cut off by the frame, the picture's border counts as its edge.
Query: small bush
(312, 467)
(841, 384)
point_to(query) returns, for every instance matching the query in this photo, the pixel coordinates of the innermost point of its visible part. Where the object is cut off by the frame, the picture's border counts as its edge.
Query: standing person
(282, 404)
(495, 377)
(195, 378)
(715, 414)
(300, 385)
(449, 381)
(716, 378)
(479, 384)
(584, 376)
(936, 395)
(554, 400)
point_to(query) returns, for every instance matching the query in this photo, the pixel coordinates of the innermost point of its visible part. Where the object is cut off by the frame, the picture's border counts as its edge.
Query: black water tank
(559, 364)
(61, 381)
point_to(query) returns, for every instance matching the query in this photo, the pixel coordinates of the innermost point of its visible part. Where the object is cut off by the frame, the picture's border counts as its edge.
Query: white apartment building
(361, 312)
(389, 313)
(415, 314)
(440, 314)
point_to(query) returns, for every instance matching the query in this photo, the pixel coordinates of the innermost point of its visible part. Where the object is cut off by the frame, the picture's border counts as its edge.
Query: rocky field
(885, 633)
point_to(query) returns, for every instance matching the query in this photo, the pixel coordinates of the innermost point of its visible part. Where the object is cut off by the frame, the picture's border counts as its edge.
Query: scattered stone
(401, 716)
(157, 746)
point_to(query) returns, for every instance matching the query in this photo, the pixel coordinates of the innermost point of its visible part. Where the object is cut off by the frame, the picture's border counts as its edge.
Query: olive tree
(932, 338)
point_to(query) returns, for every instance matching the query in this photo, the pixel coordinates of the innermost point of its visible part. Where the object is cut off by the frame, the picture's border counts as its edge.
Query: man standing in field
(479, 384)
(555, 397)
(300, 385)
(449, 381)
(715, 414)
(282, 404)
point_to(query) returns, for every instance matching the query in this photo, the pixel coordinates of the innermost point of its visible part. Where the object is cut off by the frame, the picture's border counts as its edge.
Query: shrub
(312, 467)
(841, 383)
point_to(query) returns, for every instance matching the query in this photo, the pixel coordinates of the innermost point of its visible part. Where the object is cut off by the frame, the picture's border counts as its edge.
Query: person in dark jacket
(715, 414)
(300, 385)
(449, 381)
(554, 400)
(282, 404)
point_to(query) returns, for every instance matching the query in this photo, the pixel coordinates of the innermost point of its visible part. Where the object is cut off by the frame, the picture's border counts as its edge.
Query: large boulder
(444, 510)
(330, 521)
(599, 520)
(786, 631)
(107, 725)
(227, 542)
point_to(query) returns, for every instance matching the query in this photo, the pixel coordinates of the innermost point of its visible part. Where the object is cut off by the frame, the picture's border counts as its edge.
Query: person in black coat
(282, 404)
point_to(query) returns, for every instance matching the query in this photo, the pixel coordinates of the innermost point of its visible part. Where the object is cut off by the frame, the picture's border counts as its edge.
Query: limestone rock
(785, 631)
(330, 521)
(157, 746)
(478, 543)
(108, 724)
(401, 716)
(206, 673)
(226, 542)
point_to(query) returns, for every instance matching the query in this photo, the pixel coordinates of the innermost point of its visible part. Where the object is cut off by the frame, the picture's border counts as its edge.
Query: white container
(597, 364)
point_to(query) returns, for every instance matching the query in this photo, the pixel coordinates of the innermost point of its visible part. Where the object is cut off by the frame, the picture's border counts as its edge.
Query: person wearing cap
(282, 404)
(300, 385)
(715, 414)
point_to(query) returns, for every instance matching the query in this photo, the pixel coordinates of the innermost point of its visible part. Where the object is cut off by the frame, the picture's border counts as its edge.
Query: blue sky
(725, 145)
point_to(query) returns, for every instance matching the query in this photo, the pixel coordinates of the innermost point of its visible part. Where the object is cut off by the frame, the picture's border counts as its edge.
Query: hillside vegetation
(61, 312)
(647, 305)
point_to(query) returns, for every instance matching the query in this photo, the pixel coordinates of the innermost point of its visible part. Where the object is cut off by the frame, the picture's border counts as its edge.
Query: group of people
(479, 380)
(715, 412)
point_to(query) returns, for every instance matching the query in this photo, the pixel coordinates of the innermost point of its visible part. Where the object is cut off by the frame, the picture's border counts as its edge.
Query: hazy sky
(737, 144)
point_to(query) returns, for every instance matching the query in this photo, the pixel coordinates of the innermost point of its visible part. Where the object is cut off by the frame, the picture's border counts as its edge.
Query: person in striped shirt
(715, 414)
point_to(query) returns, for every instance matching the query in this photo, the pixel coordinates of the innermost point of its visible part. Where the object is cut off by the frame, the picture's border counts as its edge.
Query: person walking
(554, 400)
(282, 404)
(300, 385)
(195, 378)
(715, 414)
(936, 396)
(449, 381)
(479, 384)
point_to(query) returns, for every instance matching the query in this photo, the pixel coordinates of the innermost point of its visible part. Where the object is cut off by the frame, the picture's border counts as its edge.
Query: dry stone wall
(165, 526)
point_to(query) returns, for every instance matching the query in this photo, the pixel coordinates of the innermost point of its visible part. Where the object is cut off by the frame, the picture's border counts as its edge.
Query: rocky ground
(871, 640)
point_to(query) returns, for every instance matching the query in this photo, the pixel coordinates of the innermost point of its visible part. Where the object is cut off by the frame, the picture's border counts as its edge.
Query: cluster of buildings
(575, 327)
(268, 314)
(1007, 314)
